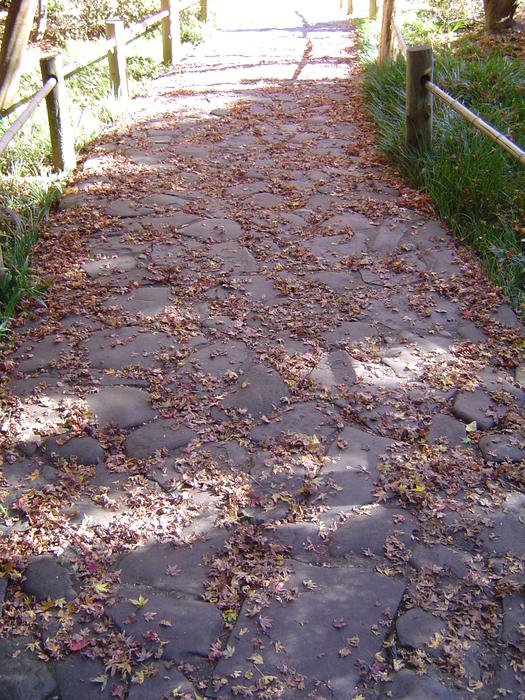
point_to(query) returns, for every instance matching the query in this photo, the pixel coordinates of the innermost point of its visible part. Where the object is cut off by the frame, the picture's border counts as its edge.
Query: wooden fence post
(372, 9)
(419, 101)
(385, 41)
(171, 46)
(204, 13)
(350, 7)
(62, 141)
(117, 58)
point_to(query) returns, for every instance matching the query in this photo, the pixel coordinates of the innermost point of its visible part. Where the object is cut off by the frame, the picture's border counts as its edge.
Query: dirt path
(266, 439)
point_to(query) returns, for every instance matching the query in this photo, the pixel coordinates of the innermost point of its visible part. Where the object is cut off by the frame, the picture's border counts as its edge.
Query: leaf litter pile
(265, 439)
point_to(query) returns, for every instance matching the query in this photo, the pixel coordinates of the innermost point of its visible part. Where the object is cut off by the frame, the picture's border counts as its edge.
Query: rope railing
(114, 49)
(420, 90)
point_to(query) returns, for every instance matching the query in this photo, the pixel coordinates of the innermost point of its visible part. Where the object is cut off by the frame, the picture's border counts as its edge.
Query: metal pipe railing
(477, 121)
(34, 102)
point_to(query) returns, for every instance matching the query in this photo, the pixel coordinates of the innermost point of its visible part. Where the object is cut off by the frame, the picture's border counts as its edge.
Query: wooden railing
(420, 89)
(54, 76)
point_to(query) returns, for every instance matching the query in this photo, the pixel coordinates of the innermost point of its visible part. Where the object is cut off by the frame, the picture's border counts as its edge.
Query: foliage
(32, 202)
(478, 189)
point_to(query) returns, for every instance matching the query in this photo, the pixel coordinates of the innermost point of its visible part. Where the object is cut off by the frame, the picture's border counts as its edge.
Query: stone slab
(46, 578)
(125, 406)
(189, 627)
(258, 391)
(23, 675)
(150, 565)
(116, 348)
(370, 529)
(148, 301)
(351, 470)
(86, 450)
(474, 406)
(333, 370)
(443, 426)
(39, 354)
(331, 605)
(416, 627)
(218, 230)
(162, 434)
(303, 419)
(74, 676)
(497, 447)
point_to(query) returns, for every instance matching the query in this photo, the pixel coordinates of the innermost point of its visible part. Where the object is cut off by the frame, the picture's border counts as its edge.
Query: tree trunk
(499, 13)
(41, 20)
(16, 35)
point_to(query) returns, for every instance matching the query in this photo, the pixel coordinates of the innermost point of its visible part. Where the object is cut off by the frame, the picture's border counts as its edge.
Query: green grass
(478, 189)
(29, 189)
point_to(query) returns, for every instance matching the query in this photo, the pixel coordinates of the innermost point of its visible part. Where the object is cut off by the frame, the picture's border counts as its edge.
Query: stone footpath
(266, 438)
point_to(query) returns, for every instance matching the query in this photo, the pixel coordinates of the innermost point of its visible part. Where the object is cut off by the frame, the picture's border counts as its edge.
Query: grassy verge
(477, 188)
(28, 189)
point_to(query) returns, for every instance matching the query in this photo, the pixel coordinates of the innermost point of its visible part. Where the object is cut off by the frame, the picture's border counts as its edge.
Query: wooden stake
(419, 101)
(385, 41)
(372, 9)
(171, 43)
(62, 141)
(204, 13)
(117, 58)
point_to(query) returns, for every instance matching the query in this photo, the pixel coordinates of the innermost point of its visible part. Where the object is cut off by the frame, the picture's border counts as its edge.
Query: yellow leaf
(256, 659)
(140, 601)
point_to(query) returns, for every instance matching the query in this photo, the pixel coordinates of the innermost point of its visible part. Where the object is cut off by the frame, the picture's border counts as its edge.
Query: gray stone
(23, 676)
(334, 369)
(74, 676)
(162, 434)
(469, 331)
(443, 558)
(218, 230)
(331, 605)
(302, 540)
(474, 406)
(350, 221)
(514, 619)
(351, 470)
(350, 332)
(303, 419)
(504, 531)
(497, 447)
(233, 257)
(169, 683)
(116, 348)
(87, 450)
(416, 627)
(148, 565)
(443, 426)
(389, 236)
(167, 254)
(369, 530)
(505, 315)
(72, 200)
(339, 282)
(258, 392)
(109, 264)
(124, 406)
(42, 353)
(266, 200)
(229, 453)
(332, 249)
(148, 301)
(46, 578)
(261, 289)
(218, 358)
(189, 627)
(500, 382)
(125, 208)
(160, 199)
(409, 685)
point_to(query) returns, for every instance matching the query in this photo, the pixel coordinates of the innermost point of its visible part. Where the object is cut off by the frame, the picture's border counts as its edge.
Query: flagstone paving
(266, 438)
